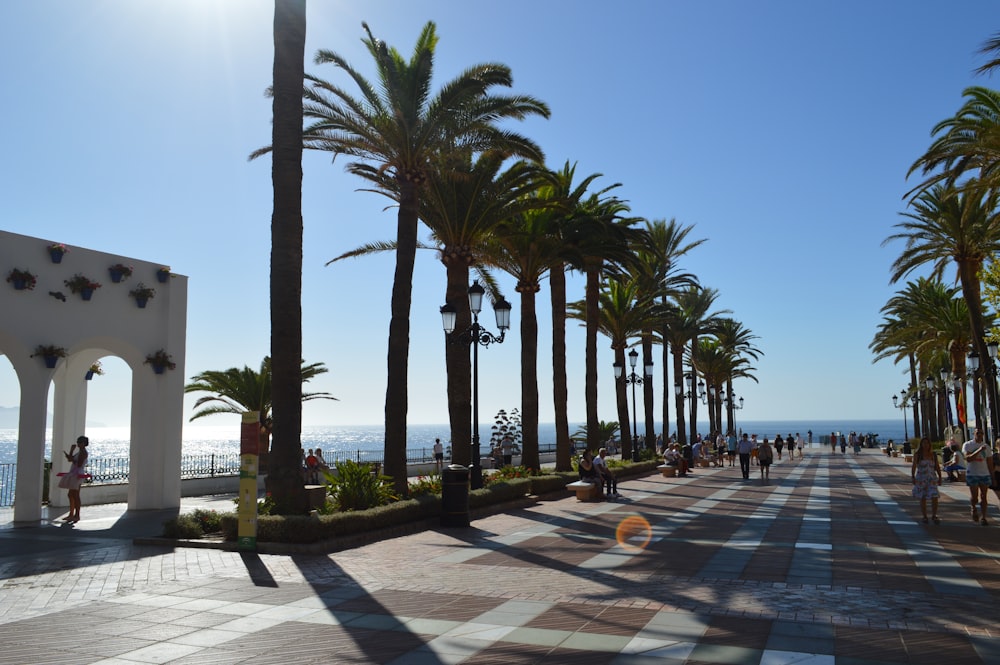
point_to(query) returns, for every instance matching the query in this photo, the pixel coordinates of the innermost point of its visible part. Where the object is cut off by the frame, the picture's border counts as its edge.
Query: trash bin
(455, 496)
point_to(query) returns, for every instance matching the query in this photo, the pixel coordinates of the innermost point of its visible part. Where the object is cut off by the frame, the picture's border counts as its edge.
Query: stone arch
(110, 324)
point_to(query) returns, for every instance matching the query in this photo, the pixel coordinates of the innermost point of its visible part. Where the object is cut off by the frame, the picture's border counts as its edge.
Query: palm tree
(569, 198)
(948, 226)
(284, 480)
(658, 276)
(242, 390)
(398, 127)
(969, 142)
(737, 341)
(619, 319)
(598, 239)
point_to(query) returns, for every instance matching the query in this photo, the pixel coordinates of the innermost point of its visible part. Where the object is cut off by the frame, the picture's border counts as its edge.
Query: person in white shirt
(978, 474)
(603, 472)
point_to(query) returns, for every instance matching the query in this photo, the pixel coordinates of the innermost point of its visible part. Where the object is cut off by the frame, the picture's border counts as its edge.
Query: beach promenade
(828, 563)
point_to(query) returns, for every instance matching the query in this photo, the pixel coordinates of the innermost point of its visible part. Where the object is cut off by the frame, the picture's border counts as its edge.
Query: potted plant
(160, 360)
(163, 274)
(142, 294)
(21, 279)
(119, 271)
(82, 285)
(49, 353)
(56, 251)
(94, 369)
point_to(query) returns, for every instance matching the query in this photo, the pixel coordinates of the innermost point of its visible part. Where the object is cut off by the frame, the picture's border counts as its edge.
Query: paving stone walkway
(826, 563)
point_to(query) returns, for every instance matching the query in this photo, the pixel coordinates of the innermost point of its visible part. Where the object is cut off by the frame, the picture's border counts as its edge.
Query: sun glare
(634, 533)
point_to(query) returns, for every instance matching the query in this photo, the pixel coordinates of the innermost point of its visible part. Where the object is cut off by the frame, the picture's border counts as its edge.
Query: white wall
(109, 324)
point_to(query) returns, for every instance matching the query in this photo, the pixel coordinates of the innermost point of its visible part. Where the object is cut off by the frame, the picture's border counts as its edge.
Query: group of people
(718, 448)
(980, 463)
(313, 466)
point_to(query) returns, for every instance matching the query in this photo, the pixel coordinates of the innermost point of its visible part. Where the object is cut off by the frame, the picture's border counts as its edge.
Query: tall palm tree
(241, 390)
(962, 227)
(526, 247)
(284, 480)
(399, 127)
(569, 198)
(619, 319)
(598, 240)
(737, 341)
(658, 277)
(691, 318)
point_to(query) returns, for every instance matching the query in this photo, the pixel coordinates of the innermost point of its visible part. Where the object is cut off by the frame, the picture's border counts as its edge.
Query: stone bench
(585, 491)
(668, 471)
(907, 458)
(315, 496)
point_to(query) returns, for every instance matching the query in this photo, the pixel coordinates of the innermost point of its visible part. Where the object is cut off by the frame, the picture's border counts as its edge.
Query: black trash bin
(455, 496)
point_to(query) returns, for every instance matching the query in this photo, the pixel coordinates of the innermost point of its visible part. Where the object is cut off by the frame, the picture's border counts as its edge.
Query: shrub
(183, 526)
(355, 487)
(553, 482)
(499, 491)
(425, 485)
(210, 520)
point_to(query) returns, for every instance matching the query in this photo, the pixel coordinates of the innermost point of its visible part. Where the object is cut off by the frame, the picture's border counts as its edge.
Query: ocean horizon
(113, 442)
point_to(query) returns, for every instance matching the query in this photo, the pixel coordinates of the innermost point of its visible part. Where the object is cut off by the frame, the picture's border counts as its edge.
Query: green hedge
(552, 482)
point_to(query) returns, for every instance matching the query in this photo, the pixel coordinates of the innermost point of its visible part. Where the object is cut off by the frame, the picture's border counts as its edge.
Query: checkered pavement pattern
(825, 563)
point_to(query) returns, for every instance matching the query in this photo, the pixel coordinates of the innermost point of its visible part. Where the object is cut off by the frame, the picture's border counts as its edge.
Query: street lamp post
(973, 370)
(634, 380)
(895, 403)
(477, 336)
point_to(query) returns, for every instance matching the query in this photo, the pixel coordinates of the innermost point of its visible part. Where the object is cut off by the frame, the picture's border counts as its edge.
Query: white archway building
(110, 324)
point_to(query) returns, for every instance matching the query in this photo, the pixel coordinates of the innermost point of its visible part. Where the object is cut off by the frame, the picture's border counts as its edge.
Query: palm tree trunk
(529, 377)
(560, 393)
(621, 401)
(284, 479)
(398, 356)
(678, 354)
(648, 404)
(590, 379)
(668, 390)
(968, 273)
(459, 364)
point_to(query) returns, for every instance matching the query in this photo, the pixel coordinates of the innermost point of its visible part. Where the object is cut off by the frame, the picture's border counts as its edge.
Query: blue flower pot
(86, 294)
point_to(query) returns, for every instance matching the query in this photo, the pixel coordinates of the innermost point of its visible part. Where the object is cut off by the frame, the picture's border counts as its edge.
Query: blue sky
(781, 130)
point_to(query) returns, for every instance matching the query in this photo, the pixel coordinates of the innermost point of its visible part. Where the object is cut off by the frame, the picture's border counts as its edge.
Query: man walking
(978, 474)
(744, 447)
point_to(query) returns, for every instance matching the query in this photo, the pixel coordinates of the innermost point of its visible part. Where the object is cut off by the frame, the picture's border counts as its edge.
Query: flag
(960, 406)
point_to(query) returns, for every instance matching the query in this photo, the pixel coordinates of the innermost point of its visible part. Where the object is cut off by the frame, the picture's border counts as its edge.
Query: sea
(342, 440)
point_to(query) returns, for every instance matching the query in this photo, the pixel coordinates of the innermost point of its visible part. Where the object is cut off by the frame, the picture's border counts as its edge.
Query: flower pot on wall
(162, 276)
(86, 293)
(141, 302)
(89, 375)
(159, 369)
(116, 275)
(19, 284)
(50, 361)
(56, 255)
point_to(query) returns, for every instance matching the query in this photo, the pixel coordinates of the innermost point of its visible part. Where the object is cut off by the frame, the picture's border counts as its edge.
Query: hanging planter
(163, 274)
(49, 354)
(82, 285)
(21, 280)
(160, 361)
(119, 272)
(142, 295)
(95, 370)
(56, 251)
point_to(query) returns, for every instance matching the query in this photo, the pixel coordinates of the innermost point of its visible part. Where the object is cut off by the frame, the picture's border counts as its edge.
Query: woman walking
(926, 476)
(765, 456)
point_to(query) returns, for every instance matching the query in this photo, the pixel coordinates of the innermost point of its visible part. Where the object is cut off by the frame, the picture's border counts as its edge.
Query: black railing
(112, 470)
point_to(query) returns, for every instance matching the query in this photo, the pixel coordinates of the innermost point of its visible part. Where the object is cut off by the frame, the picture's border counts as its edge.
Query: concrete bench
(315, 496)
(907, 458)
(668, 471)
(585, 491)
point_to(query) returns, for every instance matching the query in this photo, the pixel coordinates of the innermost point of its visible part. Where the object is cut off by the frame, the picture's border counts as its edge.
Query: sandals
(937, 520)
(975, 515)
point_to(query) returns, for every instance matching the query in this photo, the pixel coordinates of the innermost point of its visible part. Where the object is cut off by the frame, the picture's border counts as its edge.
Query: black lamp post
(895, 403)
(634, 380)
(477, 336)
(690, 394)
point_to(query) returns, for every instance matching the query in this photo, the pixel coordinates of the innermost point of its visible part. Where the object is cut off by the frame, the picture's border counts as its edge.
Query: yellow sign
(246, 513)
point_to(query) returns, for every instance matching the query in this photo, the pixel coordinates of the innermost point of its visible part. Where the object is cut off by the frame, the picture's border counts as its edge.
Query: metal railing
(110, 470)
